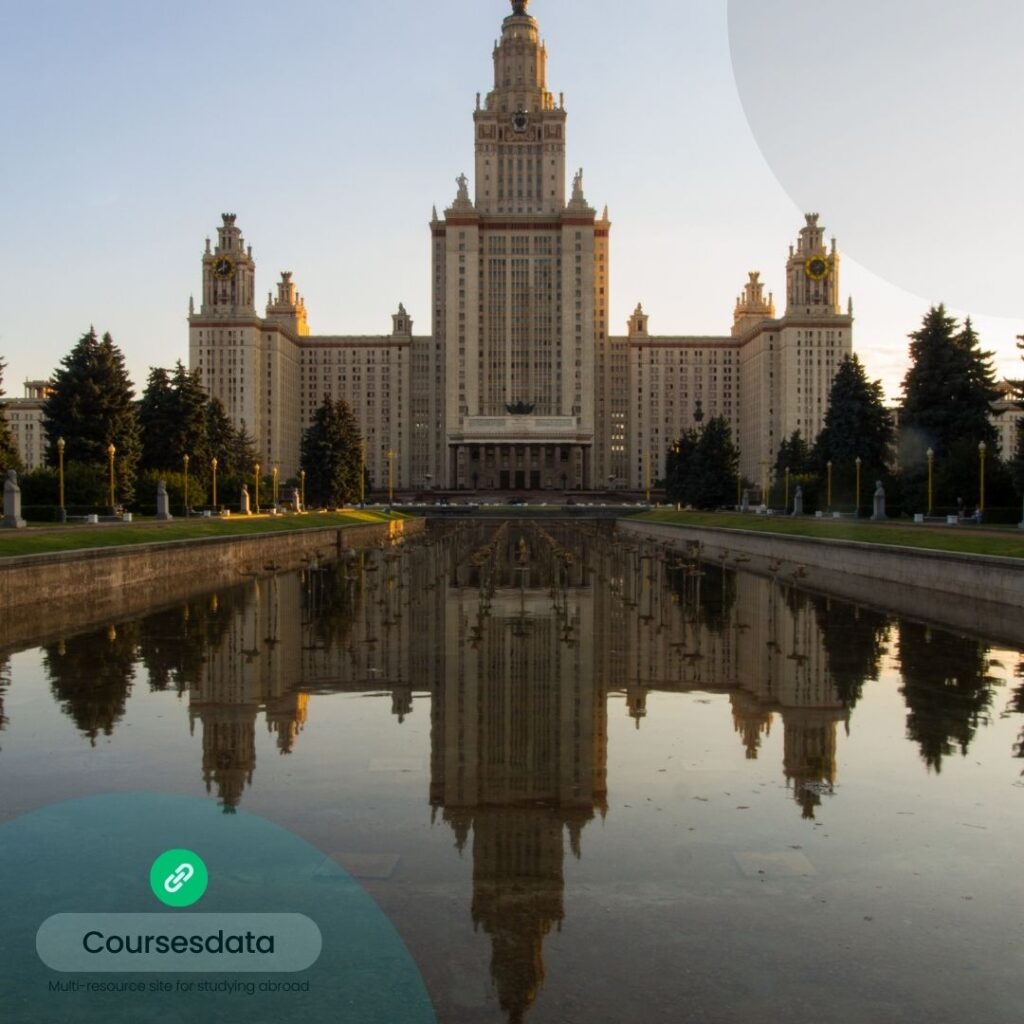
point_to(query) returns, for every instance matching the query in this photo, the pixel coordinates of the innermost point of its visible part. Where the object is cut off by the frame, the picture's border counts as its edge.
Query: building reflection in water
(518, 634)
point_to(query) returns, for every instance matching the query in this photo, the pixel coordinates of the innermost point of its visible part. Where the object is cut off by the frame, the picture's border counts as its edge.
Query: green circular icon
(178, 878)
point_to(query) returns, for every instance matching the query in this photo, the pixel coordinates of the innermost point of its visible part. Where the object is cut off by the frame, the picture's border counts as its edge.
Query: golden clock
(816, 268)
(223, 267)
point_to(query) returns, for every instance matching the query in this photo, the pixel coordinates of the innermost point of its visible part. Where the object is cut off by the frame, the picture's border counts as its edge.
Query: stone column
(12, 503)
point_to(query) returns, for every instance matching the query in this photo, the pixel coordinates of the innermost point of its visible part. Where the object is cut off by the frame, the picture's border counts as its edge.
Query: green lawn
(44, 539)
(971, 540)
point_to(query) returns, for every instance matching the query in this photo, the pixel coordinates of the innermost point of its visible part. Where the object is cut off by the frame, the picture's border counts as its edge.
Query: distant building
(1007, 416)
(25, 416)
(519, 384)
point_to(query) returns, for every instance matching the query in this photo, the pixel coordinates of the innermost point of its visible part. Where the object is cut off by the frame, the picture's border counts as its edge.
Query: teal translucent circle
(94, 856)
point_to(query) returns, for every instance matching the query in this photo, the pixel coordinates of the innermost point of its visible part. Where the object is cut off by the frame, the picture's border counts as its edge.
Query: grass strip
(967, 539)
(40, 540)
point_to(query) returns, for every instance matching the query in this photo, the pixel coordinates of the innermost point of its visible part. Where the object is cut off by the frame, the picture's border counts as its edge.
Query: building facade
(519, 385)
(25, 416)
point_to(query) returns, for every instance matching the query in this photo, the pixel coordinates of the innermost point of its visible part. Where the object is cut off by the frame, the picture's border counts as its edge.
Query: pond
(585, 778)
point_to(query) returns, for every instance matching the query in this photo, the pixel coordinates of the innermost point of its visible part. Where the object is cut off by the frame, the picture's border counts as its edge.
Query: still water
(587, 780)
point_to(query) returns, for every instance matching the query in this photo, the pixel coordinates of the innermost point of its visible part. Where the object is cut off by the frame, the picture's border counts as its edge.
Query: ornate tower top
(519, 8)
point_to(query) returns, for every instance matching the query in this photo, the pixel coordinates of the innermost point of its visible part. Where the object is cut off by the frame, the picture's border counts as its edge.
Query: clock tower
(520, 133)
(520, 290)
(229, 274)
(225, 337)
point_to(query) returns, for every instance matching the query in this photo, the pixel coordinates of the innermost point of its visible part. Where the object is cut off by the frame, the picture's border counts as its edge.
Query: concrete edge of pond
(979, 594)
(45, 593)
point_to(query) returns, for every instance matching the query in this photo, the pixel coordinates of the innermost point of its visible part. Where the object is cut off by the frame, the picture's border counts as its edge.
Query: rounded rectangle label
(179, 943)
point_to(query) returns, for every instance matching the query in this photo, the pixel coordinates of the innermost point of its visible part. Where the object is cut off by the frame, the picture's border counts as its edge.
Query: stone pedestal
(798, 501)
(243, 502)
(12, 503)
(163, 502)
(879, 512)
(297, 500)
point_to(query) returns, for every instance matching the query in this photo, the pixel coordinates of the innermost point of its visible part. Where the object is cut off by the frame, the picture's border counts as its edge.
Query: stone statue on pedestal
(243, 502)
(879, 512)
(798, 501)
(163, 502)
(12, 503)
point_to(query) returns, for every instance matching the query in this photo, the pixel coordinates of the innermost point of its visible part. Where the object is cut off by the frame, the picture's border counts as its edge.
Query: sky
(331, 129)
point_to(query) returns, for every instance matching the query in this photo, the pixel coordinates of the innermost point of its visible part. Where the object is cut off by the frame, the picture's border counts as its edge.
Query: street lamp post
(982, 449)
(830, 485)
(213, 477)
(785, 503)
(111, 452)
(858, 463)
(302, 488)
(185, 461)
(647, 475)
(931, 479)
(257, 487)
(391, 476)
(60, 472)
(764, 482)
(276, 471)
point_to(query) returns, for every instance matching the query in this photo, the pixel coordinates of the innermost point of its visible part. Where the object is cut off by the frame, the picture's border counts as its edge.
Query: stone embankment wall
(976, 594)
(44, 596)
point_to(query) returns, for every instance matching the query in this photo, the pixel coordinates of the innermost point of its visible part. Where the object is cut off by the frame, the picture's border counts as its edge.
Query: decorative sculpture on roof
(520, 408)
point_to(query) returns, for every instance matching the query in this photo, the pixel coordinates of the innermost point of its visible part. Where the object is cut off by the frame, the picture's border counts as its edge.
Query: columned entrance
(520, 467)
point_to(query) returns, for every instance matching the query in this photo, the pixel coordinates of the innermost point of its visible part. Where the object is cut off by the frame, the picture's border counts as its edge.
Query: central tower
(520, 135)
(519, 290)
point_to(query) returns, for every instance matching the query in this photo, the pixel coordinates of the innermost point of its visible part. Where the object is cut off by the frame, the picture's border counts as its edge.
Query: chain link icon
(182, 874)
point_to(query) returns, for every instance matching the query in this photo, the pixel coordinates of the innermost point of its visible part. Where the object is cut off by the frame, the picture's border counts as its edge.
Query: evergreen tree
(948, 391)
(220, 437)
(190, 402)
(173, 419)
(92, 406)
(857, 424)
(9, 457)
(948, 394)
(156, 421)
(795, 455)
(701, 470)
(330, 454)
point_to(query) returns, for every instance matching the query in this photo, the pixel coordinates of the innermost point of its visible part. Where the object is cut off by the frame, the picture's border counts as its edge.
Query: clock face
(222, 266)
(520, 121)
(816, 268)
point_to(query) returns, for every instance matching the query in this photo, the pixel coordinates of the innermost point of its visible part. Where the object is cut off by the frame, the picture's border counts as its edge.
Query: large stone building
(519, 384)
(25, 417)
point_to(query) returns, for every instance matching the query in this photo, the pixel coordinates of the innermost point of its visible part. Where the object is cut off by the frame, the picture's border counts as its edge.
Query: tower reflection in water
(519, 635)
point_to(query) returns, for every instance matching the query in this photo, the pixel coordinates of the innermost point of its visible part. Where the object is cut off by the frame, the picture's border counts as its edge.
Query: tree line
(173, 432)
(948, 393)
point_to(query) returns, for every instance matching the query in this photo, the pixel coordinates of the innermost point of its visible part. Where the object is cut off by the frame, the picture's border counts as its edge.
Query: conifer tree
(173, 420)
(702, 468)
(9, 457)
(795, 455)
(948, 390)
(92, 406)
(857, 424)
(330, 454)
